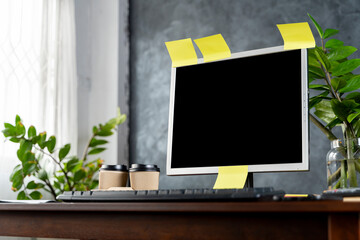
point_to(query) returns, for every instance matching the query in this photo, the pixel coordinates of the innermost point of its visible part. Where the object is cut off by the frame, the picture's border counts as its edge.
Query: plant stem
(87, 148)
(51, 188)
(325, 130)
(333, 92)
(337, 185)
(47, 182)
(335, 176)
(350, 161)
(343, 180)
(59, 164)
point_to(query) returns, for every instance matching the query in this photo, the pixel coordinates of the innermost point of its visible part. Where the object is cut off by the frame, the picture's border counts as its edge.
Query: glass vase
(343, 164)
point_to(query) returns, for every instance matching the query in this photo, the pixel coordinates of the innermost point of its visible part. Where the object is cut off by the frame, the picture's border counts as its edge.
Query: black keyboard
(247, 194)
(340, 193)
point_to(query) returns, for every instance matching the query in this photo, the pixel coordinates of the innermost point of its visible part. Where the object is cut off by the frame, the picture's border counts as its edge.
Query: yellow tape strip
(296, 35)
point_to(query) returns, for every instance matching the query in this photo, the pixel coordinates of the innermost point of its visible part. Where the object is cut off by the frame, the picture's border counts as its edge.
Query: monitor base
(249, 181)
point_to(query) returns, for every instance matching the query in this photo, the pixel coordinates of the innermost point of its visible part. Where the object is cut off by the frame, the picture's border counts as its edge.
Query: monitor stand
(249, 181)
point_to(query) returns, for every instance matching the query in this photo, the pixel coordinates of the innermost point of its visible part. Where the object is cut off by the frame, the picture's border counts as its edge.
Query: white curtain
(59, 80)
(38, 77)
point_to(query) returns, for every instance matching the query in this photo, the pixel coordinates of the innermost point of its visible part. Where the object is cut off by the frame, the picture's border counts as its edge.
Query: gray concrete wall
(245, 25)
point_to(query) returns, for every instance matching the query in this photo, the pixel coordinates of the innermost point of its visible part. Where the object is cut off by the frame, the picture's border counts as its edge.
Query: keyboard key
(198, 191)
(225, 191)
(141, 193)
(152, 193)
(163, 192)
(176, 191)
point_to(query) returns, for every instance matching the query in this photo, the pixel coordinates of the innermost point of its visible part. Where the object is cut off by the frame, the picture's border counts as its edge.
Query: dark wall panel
(245, 25)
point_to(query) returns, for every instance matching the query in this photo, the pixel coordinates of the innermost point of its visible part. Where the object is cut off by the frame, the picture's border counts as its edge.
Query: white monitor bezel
(303, 166)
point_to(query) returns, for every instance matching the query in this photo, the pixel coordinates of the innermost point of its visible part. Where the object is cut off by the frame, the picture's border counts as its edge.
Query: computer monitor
(249, 109)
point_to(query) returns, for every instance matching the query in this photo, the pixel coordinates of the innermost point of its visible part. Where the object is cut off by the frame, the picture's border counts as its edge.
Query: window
(37, 73)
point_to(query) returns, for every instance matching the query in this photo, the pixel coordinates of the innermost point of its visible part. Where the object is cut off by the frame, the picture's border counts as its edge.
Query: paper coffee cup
(144, 176)
(113, 176)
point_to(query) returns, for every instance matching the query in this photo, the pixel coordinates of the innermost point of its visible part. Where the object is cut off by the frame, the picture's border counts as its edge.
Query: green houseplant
(43, 166)
(336, 101)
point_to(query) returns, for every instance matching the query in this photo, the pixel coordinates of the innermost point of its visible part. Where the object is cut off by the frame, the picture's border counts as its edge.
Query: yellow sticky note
(182, 52)
(213, 47)
(296, 35)
(295, 195)
(231, 177)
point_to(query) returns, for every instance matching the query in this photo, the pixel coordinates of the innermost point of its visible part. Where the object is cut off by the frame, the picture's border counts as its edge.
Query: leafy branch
(338, 103)
(72, 173)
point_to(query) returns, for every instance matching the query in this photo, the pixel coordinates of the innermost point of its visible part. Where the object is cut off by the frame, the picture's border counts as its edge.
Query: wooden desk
(187, 220)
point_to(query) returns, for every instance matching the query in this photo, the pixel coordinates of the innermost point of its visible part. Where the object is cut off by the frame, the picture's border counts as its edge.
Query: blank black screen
(244, 111)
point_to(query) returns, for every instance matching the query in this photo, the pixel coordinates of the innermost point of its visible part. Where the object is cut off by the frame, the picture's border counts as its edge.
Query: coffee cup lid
(144, 167)
(114, 167)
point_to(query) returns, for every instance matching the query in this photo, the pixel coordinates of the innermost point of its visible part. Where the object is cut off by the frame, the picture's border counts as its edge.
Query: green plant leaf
(338, 83)
(356, 126)
(94, 184)
(333, 64)
(343, 109)
(317, 72)
(80, 174)
(323, 110)
(121, 118)
(31, 132)
(354, 95)
(66, 187)
(72, 164)
(64, 151)
(322, 58)
(106, 130)
(351, 104)
(95, 142)
(317, 99)
(313, 102)
(312, 61)
(33, 185)
(60, 178)
(36, 195)
(9, 131)
(57, 184)
(352, 116)
(42, 140)
(330, 32)
(30, 165)
(25, 146)
(50, 144)
(20, 129)
(340, 110)
(16, 168)
(352, 84)
(42, 175)
(17, 119)
(17, 180)
(15, 140)
(318, 87)
(320, 31)
(333, 123)
(103, 133)
(334, 43)
(21, 196)
(346, 67)
(96, 151)
(341, 52)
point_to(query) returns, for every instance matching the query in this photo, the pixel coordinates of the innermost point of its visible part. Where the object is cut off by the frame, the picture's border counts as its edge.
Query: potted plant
(43, 166)
(337, 104)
